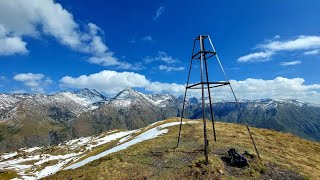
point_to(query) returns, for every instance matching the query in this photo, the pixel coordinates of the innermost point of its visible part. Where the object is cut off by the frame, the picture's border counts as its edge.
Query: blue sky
(270, 49)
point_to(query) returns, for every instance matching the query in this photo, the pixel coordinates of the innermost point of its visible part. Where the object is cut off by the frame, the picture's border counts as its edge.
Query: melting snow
(8, 155)
(150, 134)
(18, 163)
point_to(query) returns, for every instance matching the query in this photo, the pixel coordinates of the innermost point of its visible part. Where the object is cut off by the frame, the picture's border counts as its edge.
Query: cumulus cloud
(111, 82)
(290, 63)
(36, 82)
(274, 46)
(10, 45)
(170, 68)
(159, 12)
(34, 18)
(278, 88)
(161, 56)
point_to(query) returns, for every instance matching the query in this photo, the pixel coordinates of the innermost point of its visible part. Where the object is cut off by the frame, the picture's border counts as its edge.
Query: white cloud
(147, 38)
(313, 52)
(159, 12)
(162, 56)
(272, 47)
(276, 36)
(170, 68)
(290, 63)
(111, 82)
(172, 88)
(256, 57)
(301, 43)
(278, 88)
(10, 45)
(34, 18)
(36, 82)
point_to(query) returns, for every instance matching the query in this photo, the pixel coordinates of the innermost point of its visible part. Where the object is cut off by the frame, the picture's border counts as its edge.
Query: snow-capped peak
(90, 95)
(127, 94)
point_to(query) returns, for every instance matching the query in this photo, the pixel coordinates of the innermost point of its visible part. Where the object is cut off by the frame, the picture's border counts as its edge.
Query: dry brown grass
(159, 159)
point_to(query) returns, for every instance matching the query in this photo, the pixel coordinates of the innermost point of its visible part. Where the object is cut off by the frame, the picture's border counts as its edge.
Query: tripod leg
(203, 58)
(182, 115)
(185, 96)
(254, 144)
(210, 102)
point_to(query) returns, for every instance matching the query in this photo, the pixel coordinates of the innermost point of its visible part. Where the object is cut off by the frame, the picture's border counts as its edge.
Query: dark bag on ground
(237, 159)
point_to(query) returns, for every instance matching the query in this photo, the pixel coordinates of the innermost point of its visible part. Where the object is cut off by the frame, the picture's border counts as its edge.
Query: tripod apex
(203, 37)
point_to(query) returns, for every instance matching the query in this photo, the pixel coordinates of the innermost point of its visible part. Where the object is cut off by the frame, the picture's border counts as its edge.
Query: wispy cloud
(301, 43)
(256, 57)
(274, 46)
(290, 63)
(147, 38)
(159, 12)
(276, 36)
(162, 56)
(313, 52)
(170, 68)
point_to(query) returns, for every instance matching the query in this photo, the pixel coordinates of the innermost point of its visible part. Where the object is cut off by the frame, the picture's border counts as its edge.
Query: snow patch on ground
(27, 161)
(149, 134)
(8, 155)
(27, 171)
(29, 150)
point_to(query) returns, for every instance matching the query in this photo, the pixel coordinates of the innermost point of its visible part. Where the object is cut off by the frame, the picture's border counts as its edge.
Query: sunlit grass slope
(284, 156)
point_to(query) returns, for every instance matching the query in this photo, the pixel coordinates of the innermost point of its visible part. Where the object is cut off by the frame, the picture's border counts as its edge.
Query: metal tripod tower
(203, 55)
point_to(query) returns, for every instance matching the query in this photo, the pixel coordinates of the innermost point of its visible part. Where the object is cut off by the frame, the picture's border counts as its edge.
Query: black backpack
(236, 159)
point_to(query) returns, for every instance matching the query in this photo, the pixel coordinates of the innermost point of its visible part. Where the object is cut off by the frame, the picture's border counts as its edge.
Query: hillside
(150, 153)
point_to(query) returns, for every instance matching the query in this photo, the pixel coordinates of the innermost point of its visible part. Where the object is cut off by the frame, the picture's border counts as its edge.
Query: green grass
(8, 174)
(282, 154)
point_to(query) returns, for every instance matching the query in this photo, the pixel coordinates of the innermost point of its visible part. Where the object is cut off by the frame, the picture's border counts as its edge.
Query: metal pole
(203, 104)
(185, 95)
(211, 111)
(254, 144)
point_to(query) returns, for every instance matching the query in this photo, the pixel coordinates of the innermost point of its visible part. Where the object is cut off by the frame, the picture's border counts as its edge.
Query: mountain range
(28, 120)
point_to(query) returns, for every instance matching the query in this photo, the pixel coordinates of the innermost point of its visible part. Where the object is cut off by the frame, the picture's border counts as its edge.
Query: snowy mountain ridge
(65, 115)
(89, 98)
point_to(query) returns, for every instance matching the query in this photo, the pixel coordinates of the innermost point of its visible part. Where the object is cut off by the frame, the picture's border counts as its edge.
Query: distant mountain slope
(301, 119)
(37, 119)
(129, 109)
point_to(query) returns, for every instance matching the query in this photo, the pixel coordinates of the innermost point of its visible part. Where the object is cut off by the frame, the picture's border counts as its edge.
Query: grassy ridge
(283, 156)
